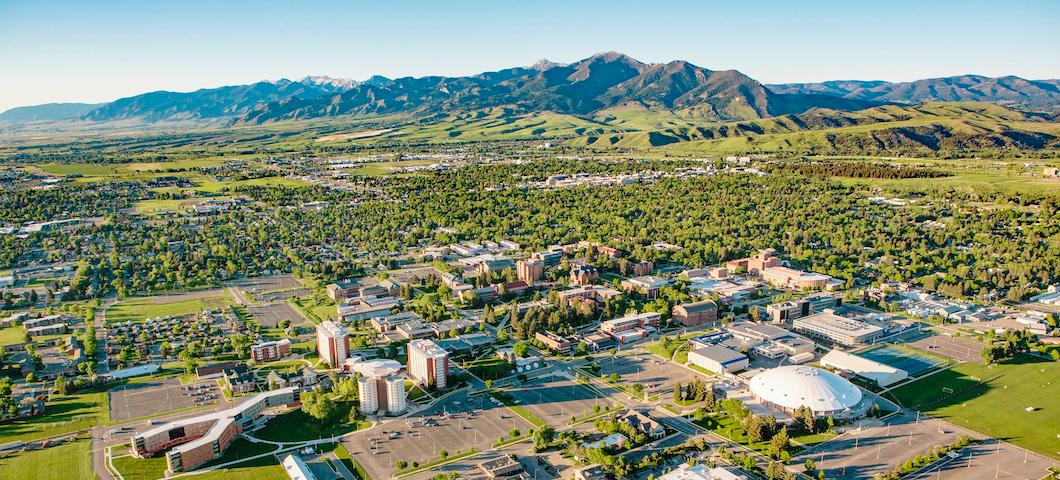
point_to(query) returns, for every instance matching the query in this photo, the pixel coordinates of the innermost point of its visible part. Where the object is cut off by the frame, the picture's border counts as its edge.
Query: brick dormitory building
(188, 443)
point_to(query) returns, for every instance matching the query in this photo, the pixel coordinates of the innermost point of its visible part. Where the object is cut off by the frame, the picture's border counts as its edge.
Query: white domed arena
(790, 387)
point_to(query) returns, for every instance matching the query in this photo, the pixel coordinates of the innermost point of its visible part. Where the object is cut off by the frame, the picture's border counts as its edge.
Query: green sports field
(71, 461)
(993, 400)
(140, 308)
(67, 414)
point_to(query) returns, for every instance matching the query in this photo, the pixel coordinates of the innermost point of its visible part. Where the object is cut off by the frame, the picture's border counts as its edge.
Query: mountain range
(584, 88)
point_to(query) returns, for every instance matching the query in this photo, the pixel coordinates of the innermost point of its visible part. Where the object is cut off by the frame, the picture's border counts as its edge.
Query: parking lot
(158, 396)
(556, 399)
(952, 347)
(646, 369)
(379, 448)
(271, 315)
(878, 449)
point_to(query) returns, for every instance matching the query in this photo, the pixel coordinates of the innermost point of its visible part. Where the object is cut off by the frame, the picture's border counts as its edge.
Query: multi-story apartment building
(333, 343)
(428, 363)
(269, 351)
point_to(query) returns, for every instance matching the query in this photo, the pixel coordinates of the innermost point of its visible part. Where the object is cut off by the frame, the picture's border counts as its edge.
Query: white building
(428, 364)
(333, 343)
(701, 472)
(718, 359)
(297, 469)
(380, 390)
(841, 330)
(883, 375)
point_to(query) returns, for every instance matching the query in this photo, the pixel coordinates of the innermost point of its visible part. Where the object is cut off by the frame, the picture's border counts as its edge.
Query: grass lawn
(297, 426)
(344, 455)
(133, 468)
(242, 448)
(490, 368)
(266, 468)
(152, 206)
(140, 308)
(518, 409)
(728, 427)
(992, 400)
(813, 438)
(68, 414)
(12, 335)
(283, 365)
(72, 461)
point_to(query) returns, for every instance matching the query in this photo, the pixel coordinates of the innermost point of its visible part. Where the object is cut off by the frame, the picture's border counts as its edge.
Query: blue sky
(99, 50)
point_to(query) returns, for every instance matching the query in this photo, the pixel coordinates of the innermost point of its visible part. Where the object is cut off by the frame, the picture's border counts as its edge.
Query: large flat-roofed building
(883, 375)
(530, 270)
(631, 327)
(696, 313)
(428, 364)
(755, 264)
(701, 472)
(783, 312)
(630, 322)
(718, 359)
(194, 441)
(555, 342)
(296, 468)
(500, 467)
(44, 321)
(269, 351)
(841, 330)
(333, 343)
(791, 278)
(595, 293)
(647, 285)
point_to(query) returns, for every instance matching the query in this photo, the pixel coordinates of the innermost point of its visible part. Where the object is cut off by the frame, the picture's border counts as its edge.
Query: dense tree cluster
(858, 170)
(816, 224)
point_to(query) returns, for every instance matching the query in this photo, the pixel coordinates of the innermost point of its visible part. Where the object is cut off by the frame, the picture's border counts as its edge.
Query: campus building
(333, 343)
(380, 390)
(696, 313)
(648, 285)
(718, 359)
(789, 387)
(191, 442)
(428, 364)
(631, 327)
(555, 342)
(269, 351)
(583, 274)
(841, 330)
(530, 271)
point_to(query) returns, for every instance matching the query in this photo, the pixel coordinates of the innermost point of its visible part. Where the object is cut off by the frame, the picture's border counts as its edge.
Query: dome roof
(793, 386)
(377, 368)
